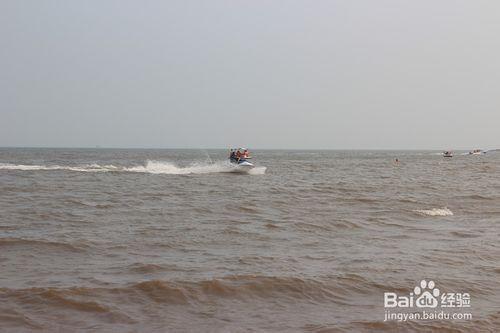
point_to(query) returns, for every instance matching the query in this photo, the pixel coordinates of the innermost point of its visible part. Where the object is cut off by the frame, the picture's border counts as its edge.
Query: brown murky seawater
(167, 241)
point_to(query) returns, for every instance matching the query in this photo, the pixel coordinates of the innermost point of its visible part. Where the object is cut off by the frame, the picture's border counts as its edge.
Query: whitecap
(435, 212)
(159, 167)
(153, 167)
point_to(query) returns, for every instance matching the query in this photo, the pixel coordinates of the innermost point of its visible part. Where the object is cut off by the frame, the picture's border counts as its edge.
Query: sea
(161, 240)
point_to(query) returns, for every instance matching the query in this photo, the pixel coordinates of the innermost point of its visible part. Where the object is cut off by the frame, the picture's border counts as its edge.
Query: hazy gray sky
(263, 74)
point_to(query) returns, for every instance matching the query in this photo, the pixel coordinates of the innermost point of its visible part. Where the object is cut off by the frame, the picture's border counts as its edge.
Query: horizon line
(226, 148)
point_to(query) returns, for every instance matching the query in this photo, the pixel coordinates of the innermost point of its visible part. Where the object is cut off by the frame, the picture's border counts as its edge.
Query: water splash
(435, 212)
(152, 167)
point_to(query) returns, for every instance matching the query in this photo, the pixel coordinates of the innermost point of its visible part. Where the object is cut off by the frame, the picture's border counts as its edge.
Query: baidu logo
(426, 297)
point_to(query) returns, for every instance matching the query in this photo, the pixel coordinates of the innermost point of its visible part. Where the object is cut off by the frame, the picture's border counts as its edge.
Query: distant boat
(476, 152)
(448, 154)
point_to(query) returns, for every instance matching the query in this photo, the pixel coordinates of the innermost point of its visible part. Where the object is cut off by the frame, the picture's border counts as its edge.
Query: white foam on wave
(153, 167)
(435, 212)
(158, 167)
(83, 168)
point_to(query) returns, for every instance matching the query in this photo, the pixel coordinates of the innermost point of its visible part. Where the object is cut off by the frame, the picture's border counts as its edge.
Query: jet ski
(448, 154)
(241, 163)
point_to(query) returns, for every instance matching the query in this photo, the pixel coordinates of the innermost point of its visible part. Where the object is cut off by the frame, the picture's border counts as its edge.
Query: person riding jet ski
(232, 156)
(238, 156)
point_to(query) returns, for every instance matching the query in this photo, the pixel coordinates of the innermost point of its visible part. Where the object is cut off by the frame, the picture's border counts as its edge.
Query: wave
(33, 301)
(152, 167)
(143, 303)
(435, 212)
(144, 268)
(39, 244)
(476, 197)
(15, 318)
(335, 289)
(82, 168)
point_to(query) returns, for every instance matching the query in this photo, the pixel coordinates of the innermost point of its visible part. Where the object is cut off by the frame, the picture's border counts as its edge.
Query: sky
(289, 74)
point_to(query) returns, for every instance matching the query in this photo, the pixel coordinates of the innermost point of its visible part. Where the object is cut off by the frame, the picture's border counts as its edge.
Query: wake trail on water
(152, 167)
